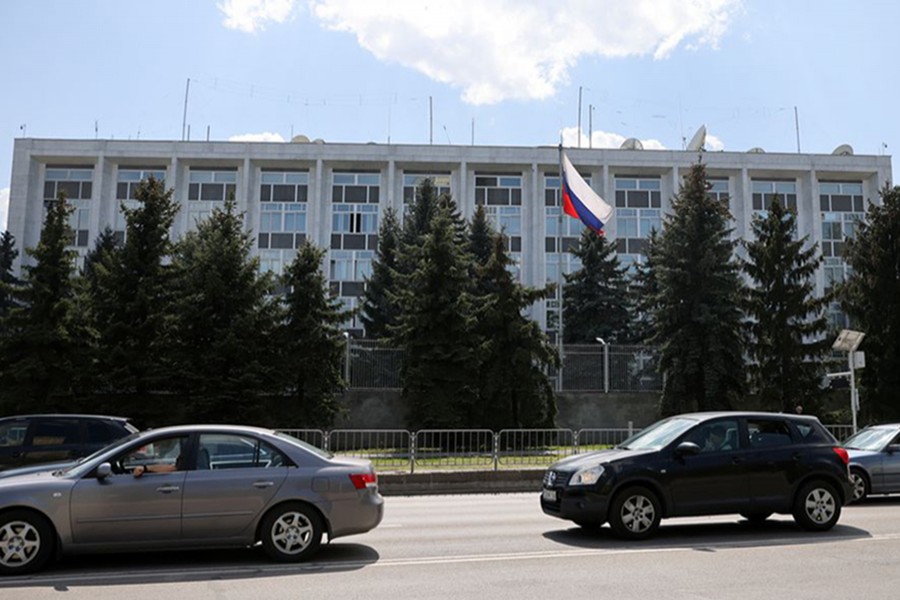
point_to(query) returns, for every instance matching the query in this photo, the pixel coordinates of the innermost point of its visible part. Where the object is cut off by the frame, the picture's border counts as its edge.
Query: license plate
(549, 495)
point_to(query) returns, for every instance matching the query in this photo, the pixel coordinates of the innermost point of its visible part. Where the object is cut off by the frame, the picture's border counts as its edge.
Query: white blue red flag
(580, 201)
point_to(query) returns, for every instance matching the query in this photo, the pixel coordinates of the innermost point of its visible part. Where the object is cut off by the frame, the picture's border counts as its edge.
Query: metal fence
(589, 368)
(402, 451)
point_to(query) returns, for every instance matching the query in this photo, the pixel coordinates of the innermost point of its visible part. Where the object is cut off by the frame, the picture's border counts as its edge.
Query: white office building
(335, 194)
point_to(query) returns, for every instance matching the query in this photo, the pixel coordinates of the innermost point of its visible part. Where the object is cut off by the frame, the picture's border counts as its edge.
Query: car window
(12, 433)
(230, 451)
(159, 456)
(55, 432)
(103, 432)
(765, 433)
(810, 433)
(717, 436)
(659, 434)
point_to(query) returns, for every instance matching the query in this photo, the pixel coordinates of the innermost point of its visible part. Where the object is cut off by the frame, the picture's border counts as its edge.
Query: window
(159, 456)
(12, 433)
(355, 187)
(764, 191)
(101, 433)
(127, 181)
(76, 184)
(501, 195)
(842, 208)
(718, 436)
(638, 212)
(282, 217)
(411, 181)
(55, 432)
(765, 433)
(227, 451)
(208, 189)
(354, 218)
(718, 190)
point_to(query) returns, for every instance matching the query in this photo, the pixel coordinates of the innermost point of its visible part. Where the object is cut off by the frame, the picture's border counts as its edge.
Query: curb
(460, 482)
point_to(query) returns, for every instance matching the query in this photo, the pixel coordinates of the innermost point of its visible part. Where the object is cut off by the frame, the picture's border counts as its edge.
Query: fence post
(325, 436)
(496, 451)
(630, 428)
(413, 436)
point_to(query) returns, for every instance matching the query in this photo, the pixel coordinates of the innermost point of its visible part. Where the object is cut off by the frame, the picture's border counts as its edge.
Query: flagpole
(559, 275)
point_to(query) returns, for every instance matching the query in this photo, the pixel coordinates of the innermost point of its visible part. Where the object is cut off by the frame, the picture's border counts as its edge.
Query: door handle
(263, 484)
(167, 489)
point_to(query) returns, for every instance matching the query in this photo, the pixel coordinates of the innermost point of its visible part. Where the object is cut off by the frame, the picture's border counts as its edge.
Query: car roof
(706, 416)
(207, 427)
(67, 416)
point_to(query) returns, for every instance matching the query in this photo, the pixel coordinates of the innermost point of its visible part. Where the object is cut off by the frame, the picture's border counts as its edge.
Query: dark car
(875, 460)
(752, 464)
(28, 440)
(188, 487)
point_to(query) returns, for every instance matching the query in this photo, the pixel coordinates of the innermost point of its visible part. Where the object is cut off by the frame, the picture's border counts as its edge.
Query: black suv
(36, 439)
(752, 464)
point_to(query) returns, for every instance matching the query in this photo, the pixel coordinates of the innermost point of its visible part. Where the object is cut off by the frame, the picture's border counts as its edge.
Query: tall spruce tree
(513, 353)
(130, 291)
(596, 298)
(787, 320)
(379, 310)
(871, 296)
(698, 317)
(440, 367)
(311, 341)
(224, 318)
(481, 236)
(43, 351)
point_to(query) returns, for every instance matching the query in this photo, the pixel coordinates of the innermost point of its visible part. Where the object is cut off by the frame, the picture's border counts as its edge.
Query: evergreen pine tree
(130, 289)
(481, 236)
(514, 354)
(596, 298)
(440, 368)
(223, 321)
(644, 291)
(787, 322)
(697, 317)
(44, 346)
(8, 280)
(312, 343)
(101, 257)
(379, 310)
(870, 296)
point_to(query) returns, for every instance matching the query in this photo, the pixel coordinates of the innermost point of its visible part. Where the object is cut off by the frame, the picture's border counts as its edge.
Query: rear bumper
(357, 516)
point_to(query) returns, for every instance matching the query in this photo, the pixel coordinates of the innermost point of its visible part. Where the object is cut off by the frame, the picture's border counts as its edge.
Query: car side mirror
(893, 448)
(104, 471)
(687, 449)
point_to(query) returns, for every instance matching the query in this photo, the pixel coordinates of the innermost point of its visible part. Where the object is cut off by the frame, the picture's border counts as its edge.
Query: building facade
(334, 196)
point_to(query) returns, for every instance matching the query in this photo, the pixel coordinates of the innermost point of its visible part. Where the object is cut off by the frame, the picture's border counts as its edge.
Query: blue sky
(366, 70)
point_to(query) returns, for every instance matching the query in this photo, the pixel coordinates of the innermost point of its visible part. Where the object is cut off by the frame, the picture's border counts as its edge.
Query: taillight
(842, 453)
(363, 480)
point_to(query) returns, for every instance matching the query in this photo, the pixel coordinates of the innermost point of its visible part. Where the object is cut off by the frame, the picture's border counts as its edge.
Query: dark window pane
(621, 245)
(352, 288)
(569, 244)
(50, 189)
(620, 198)
(70, 188)
(479, 196)
(120, 238)
(858, 204)
(639, 199)
(839, 248)
(355, 193)
(263, 240)
(56, 432)
(372, 242)
(354, 242)
(637, 246)
(122, 191)
(282, 241)
(302, 193)
(792, 202)
(86, 189)
(823, 203)
(826, 249)
(212, 191)
(497, 196)
(335, 241)
(284, 193)
(337, 193)
(335, 288)
(299, 238)
(515, 244)
(373, 194)
(516, 196)
(655, 199)
(99, 433)
(230, 191)
(757, 202)
(194, 191)
(82, 239)
(408, 195)
(265, 193)
(549, 197)
(842, 203)
(549, 244)
(485, 181)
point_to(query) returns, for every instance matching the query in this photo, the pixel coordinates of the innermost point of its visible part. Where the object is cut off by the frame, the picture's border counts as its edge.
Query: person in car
(715, 439)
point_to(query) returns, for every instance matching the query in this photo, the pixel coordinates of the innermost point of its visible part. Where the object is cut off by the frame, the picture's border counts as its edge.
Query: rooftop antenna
(447, 133)
(24, 127)
(797, 127)
(473, 131)
(698, 142)
(579, 116)
(590, 125)
(430, 121)
(96, 129)
(187, 90)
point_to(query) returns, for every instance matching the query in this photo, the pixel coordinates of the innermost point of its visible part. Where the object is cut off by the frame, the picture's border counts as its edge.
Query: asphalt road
(503, 547)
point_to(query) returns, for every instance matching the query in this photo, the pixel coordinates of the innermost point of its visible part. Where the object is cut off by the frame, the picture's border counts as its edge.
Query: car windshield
(658, 435)
(102, 450)
(870, 439)
(308, 447)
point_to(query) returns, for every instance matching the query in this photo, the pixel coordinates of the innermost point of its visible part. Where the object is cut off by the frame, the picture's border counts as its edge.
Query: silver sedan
(188, 487)
(875, 460)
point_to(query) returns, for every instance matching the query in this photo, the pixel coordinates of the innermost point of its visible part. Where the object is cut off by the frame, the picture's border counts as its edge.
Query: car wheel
(756, 518)
(817, 506)
(860, 484)
(589, 525)
(635, 513)
(27, 540)
(291, 532)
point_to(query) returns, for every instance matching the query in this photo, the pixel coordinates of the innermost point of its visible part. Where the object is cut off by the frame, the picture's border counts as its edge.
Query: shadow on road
(187, 566)
(707, 536)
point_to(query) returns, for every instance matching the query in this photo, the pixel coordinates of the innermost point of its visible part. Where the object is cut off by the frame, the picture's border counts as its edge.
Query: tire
(291, 532)
(817, 506)
(860, 484)
(756, 518)
(635, 513)
(27, 542)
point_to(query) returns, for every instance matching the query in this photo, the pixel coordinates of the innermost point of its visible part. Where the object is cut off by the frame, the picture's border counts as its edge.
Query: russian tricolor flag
(580, 201)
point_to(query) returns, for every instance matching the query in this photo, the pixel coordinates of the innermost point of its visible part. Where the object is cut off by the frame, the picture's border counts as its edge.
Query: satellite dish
(300, 139)
(698, 141)
(843, 150)
(632, 144)
(318, 141)
(756, 150)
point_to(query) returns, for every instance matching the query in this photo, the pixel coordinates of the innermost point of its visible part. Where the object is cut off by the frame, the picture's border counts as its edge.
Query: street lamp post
(346, 358)
(605, 365)
(848, 341)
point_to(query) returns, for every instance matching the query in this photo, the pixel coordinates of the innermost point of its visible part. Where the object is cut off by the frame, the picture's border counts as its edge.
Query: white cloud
(4, 208)
(714, 144)
(603, 139)
(253, 15)
(265, 136)
(509, 49)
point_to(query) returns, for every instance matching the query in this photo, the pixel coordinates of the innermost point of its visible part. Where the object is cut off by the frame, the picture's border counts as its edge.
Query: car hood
(43, 468)
(25, 480)
(578, 461)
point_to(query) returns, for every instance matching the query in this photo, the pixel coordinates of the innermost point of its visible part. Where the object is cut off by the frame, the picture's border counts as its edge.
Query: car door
(235, 478)
(715, 479)
(891, 465)
(774, 463)
(132, 507)
(12, 441)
